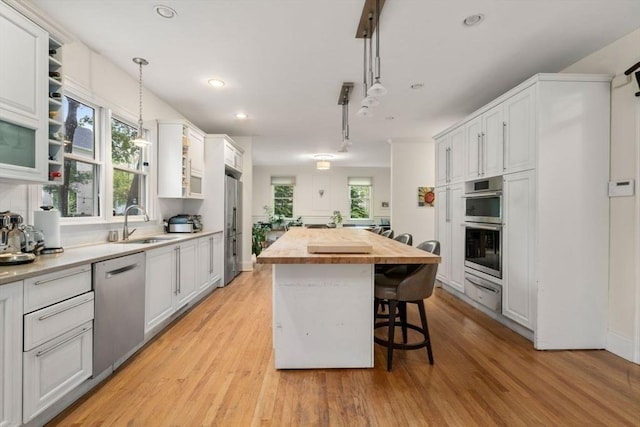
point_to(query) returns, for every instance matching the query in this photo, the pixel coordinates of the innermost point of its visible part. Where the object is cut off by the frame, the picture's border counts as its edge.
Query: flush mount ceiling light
(216, 83)
(323, 163)
(417, 86)
(241, 116)
(165, 11)
(472, 20)
(140, 141)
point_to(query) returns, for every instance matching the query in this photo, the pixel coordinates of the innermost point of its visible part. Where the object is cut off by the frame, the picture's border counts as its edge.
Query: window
(359, 198)
(283, 196)
(78, 195)
(129, 177)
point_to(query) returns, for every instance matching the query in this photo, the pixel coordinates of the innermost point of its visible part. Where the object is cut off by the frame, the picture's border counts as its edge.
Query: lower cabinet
(209, 261)
(55, 368)
(171, 280)
(450, 233)
(11, 354)
(519, 287)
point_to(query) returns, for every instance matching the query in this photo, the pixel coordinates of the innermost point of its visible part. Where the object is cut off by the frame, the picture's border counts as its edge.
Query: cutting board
(353, 247)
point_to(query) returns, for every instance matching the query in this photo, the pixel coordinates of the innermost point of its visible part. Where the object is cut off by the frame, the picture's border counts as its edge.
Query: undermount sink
(148, 240)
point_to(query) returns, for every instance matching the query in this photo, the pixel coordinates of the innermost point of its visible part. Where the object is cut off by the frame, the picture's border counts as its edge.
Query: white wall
(624, 288)
(308, 203)
(412, 166)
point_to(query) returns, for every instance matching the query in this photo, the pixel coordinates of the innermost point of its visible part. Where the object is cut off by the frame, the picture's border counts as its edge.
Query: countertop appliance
(183, 223)
(232, 227)
(484, 292)
(119, 308)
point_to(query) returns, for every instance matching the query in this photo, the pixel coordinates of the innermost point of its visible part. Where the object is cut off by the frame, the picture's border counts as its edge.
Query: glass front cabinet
(30, 85)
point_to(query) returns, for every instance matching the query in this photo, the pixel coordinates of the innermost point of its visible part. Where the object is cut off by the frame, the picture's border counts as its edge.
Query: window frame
(361, 182)
(145, 157)
(105, 110)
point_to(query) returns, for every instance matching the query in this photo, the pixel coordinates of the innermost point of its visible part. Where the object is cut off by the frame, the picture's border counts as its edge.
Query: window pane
(123, 151)
(128, 189)
(359, 201)
(283, 200)
(78, 196)
(79, 128)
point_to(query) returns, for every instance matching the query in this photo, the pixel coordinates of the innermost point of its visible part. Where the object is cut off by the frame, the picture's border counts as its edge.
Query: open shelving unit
(56, 134)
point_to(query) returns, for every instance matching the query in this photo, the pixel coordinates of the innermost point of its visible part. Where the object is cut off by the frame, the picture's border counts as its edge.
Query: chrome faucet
(125, 230)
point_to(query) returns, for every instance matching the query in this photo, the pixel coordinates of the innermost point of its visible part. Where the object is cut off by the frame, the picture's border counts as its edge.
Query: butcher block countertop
(292, 248)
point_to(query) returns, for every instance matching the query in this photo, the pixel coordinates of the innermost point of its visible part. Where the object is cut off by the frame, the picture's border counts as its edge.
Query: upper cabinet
(24, 48)
(519, 132)
(450, 158)
(180, 160)
(232, 157)
(485, 144)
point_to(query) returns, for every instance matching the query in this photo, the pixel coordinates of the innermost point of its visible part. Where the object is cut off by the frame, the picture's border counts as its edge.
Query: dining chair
(387, 233)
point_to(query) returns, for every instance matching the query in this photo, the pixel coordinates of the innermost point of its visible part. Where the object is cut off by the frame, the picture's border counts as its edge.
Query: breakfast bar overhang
(323, 302)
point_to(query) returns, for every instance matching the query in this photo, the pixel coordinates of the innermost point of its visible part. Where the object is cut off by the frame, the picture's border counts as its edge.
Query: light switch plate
(621, 188)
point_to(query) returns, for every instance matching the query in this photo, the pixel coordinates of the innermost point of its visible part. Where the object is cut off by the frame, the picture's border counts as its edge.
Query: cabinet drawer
(51, 288)
(55, 368)
(48, 323)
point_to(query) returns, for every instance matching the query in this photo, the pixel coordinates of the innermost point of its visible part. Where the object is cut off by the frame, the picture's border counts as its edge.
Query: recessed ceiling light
(165, 11)
(389, 118)
(417, 86)
(217, 83)
(241, 116)
(473, 19)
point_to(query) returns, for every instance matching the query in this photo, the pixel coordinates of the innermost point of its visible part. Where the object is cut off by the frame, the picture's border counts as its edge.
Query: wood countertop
(291, 248)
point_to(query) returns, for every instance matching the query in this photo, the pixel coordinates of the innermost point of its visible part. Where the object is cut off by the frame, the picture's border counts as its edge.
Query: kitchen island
(323, 302)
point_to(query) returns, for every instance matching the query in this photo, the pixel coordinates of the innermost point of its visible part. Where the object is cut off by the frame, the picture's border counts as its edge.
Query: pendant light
(140, 141)
(369, 100)
(345, 93)
(364, 108)
(376, 88)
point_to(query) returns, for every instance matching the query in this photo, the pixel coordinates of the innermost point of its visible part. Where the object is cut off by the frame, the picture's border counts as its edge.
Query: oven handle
(482, 195)
(483, 226)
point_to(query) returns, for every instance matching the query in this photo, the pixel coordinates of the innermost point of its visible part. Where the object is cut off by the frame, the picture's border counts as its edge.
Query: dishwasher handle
(112, 273)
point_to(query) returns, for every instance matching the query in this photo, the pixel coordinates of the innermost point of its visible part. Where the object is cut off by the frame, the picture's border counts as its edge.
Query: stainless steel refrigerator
(232, 228)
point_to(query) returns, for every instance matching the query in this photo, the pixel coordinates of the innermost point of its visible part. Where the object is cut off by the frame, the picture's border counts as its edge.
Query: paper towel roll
(49, 223)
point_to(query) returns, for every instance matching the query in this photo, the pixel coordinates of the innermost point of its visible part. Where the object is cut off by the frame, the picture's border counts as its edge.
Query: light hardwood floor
(215, 367)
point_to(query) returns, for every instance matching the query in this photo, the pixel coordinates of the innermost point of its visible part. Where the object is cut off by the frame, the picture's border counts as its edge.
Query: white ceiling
(284, 62)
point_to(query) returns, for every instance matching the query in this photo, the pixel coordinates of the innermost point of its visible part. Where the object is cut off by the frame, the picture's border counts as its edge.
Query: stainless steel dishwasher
(119, 308)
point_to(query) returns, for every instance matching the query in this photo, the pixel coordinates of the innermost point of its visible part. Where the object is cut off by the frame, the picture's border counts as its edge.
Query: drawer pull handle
(42, 282)
(486, 288)
(43, 352)
(62, 310)
(117, 271)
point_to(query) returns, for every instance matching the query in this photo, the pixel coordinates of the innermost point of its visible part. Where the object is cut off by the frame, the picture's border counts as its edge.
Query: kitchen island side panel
(323, 315)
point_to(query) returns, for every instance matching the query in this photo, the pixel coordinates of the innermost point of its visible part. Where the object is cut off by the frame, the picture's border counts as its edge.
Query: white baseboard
(620, 346)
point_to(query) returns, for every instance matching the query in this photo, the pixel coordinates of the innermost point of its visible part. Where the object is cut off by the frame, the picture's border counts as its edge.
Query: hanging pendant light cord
(370, 49)
(364, 63)
(140, 123)
(377, 39)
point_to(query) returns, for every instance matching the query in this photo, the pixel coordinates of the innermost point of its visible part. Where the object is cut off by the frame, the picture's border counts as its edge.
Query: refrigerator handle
(234, 220)
(234, 247)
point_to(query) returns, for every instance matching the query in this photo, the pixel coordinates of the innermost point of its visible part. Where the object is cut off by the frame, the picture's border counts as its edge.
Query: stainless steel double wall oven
(483, 240)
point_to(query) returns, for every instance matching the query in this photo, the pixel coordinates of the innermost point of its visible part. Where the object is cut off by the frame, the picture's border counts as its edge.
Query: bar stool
(414, 289)
(387, 233)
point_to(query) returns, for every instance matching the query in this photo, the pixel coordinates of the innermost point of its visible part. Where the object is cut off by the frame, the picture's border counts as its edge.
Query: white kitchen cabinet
(11, 354)
(55, 368)
(484, 144)
(209, 261)
(23, 97)
(554, 158)
(518, 278)
(58, 337)
(233, 156)
(450, 158)
(171, 281)
(180, 160)
(450, 234)
(519, 131)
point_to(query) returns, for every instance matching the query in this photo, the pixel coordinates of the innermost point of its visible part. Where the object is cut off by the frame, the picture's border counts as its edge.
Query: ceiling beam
(363, 25)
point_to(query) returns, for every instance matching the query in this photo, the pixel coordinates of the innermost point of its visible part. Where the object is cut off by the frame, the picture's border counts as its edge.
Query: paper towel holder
(50, 250)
